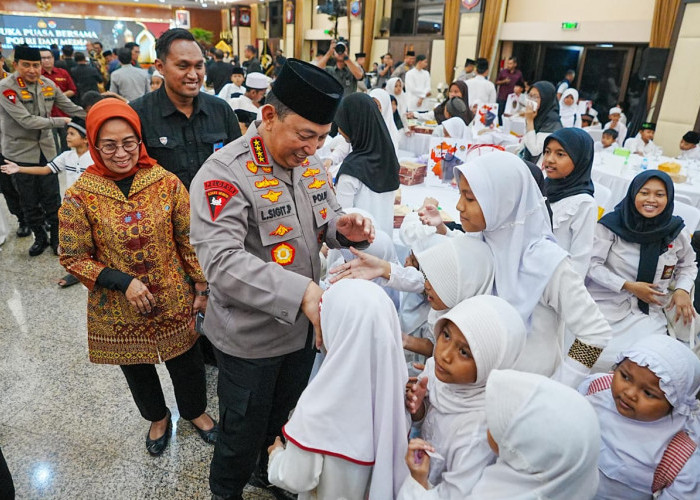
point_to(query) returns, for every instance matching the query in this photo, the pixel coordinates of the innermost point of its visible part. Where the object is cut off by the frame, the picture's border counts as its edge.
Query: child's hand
(430, 215)
(418, 461)
(415, 396)
(684, 306)
(277, 444)
(365, 267)
(9, 167)
(647, 292)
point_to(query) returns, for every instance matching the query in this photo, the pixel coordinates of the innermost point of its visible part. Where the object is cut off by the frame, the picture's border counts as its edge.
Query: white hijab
(548, 440)
(383, 97)
(458, 268)
(401, 104)
(569, 115)
(518, 229)
(496, 336)
(354, 407)
(457, 128)
(631, 450)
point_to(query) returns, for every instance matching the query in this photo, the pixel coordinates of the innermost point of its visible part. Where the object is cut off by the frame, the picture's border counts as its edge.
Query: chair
(689, 214)
(682, 198)
(596, 134)
(602, 195)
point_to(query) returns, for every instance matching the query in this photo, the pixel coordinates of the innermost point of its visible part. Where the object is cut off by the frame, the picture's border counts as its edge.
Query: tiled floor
(68, 428)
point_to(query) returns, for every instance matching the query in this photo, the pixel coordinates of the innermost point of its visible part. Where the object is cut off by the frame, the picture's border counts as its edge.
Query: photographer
(346, 71)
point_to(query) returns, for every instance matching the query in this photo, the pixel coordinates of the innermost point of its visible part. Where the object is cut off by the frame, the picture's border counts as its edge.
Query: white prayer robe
(417, 87)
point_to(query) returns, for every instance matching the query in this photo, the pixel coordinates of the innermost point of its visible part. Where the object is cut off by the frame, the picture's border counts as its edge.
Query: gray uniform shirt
(25, 118)
(257, 229)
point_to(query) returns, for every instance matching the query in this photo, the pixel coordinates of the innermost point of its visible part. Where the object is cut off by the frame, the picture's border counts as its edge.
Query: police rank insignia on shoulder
(259, 153)
(20, 82)
(11, 95)
(283, 254)
(218, 194)
(316, 184)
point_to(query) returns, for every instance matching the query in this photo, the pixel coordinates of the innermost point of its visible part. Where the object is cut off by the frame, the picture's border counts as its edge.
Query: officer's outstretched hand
(355, 227)
(310, 305)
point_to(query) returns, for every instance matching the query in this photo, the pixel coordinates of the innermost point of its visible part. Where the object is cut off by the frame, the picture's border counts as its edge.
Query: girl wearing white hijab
(347, 436)
(547, 439)
(477, 336)
(394, 86)
(568, 109)
(384, 101)
(648, 413)
(500, 198)
(457, 129)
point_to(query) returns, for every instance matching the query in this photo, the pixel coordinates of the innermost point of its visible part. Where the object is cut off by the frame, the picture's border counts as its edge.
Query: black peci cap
(25, 53)
(410, 53)
(308, 91)
(237, 70)
(691, 137)
(648, 126)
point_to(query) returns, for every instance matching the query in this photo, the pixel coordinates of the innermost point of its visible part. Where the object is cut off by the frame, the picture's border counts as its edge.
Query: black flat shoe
(156, 447)
(23, 231)
(209, 436)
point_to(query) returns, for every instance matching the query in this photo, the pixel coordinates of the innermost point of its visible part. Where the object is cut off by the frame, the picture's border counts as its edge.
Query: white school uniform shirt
(691, 154)
(318, 476)
(637, 145)
(72, 164)
(243, 102)
(574, 220)
(481, 90)
(615, 261)
(351, 192)
(599, 148)
(229, 89)
(417, 87)
(621, 131)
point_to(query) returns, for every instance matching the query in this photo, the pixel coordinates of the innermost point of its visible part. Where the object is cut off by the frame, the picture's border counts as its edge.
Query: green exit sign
(569, 26)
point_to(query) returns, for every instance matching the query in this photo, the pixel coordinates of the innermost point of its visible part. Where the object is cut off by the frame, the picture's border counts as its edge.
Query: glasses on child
(111, 148)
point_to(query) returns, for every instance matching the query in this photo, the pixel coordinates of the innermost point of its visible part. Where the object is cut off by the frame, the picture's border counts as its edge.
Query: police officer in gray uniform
(261, 208)
(26, 100)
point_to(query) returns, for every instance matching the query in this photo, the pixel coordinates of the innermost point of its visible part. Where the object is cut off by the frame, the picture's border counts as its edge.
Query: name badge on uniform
(218, 146)
(667, 272)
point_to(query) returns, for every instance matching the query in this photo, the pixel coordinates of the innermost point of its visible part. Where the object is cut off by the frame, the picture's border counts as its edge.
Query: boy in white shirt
(615, 123)
(689, 146)
(608, 142)
(230, 90)
(73, 162)
(513, 104)
(643, 143)
(418, 85)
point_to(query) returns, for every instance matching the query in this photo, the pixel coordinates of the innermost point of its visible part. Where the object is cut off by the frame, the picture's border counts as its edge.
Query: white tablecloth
(612, 172)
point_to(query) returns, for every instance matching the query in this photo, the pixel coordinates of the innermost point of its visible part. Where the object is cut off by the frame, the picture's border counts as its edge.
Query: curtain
(665, 14)
(451, 31)
(490, 22)
(254, 27)
(298, 29)
(367, 30)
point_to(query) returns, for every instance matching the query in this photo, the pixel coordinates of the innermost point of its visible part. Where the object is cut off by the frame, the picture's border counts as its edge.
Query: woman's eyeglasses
(110, 149)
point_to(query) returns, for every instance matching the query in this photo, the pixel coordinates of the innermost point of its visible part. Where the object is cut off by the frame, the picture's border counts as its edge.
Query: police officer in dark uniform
(261, 208)
(26, 100)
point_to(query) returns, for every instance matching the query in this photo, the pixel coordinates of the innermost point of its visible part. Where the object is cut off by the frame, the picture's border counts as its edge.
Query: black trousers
(7, 487)
(189, 382)
(255, 399)
(501, 110)
(11, 195)
(39, 195)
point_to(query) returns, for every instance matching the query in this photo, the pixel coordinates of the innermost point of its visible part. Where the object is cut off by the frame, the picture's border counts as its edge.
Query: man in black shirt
(182, 126)
(251, 63)
(85, 76)
(219, 72)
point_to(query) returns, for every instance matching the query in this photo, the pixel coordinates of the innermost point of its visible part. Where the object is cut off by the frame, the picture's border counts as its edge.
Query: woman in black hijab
(640, 249)
(540, 122)
(369, 175)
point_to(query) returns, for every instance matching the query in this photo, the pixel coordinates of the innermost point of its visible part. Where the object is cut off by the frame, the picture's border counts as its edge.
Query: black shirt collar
(168, 108)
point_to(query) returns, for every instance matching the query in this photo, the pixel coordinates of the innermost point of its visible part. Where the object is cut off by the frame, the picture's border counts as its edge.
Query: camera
(340, 47)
